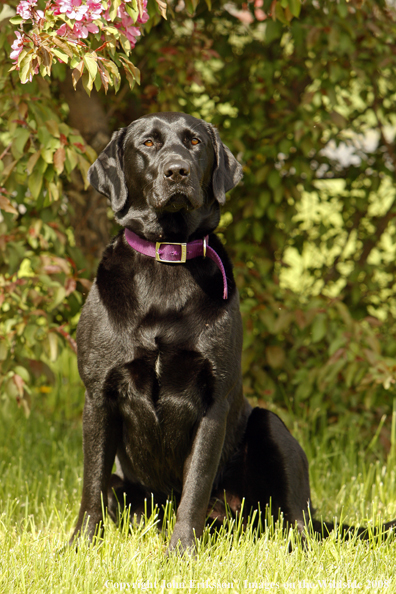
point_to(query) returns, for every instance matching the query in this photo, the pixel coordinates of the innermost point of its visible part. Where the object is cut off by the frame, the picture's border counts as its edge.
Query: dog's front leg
(101, 431)
(198, 475)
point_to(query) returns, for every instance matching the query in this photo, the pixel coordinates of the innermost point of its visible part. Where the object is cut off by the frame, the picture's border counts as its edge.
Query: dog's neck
(177, 227)
(177, 253)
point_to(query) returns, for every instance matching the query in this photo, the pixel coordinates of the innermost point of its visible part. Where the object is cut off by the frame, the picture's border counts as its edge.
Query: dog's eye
(149, 143)
(195, 141)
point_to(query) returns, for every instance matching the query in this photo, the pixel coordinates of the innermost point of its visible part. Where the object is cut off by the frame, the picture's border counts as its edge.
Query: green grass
(41, 471)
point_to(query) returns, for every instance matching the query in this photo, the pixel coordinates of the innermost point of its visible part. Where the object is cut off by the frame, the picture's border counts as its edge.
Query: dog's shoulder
(117, 260)
(116, 274)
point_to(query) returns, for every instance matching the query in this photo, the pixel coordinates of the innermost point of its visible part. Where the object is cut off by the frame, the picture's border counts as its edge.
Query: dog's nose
(177, 170)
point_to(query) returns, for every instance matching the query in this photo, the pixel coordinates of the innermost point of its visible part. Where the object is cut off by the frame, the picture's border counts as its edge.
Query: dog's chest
(166, 363)
(162, 390)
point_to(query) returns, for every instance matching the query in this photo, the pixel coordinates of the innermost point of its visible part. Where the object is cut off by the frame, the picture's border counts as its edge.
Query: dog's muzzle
(178, 201)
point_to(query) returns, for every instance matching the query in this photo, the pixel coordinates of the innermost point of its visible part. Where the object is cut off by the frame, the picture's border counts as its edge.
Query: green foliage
(312, 356)
(41, 283)
(38, 297)
(290, 88)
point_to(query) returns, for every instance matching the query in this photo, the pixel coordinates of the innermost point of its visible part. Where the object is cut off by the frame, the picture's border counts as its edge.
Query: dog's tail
(323, 529)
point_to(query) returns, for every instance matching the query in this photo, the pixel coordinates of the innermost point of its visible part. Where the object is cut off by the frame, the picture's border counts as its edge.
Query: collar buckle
(183, 254)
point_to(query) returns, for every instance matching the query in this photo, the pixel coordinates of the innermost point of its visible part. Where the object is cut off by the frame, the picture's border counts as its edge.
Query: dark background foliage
(305, 99)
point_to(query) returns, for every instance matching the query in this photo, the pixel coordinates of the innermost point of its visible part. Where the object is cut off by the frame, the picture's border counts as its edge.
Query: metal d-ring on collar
(166, 252)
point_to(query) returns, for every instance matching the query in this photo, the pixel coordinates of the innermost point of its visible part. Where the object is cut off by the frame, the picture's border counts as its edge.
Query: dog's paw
(182, 542)
(88, 532)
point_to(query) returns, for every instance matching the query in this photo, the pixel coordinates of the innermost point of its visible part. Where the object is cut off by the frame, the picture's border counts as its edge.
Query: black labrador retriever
(159, 345)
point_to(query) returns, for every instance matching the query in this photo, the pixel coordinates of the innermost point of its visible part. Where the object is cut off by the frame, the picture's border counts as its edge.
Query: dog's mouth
(178, 201)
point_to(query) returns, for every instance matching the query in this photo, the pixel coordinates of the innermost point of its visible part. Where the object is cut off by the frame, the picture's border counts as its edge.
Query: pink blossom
(122, 14)
(126, 21)
(127, 25)
(258, 11)
(72, 9)
(145, 16)
(62, 31)
(80, 30)
(77, 11)
(25, 9)
(17, 46)
(84, 14)
(95, 9)
(130, 33)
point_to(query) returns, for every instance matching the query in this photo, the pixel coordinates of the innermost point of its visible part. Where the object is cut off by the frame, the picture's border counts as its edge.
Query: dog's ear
(106, 175)
(227, 171)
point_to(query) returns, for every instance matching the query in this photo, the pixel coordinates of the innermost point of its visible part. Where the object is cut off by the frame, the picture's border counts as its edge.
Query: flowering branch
(67, 31)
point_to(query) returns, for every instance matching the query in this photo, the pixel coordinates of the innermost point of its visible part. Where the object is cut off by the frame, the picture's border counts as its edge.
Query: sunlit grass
(41, 470)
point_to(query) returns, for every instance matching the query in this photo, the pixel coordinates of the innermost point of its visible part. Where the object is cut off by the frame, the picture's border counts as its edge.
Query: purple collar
(177, 253)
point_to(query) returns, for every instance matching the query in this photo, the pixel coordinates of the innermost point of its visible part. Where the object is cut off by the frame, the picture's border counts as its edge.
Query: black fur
(159, 349)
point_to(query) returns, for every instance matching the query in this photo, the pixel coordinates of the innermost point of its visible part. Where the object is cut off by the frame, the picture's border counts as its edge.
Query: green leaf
(23, 372)
(52, 346)
(3, 351)
(319, 328)
(25, 67)
(63, 46)
(132, 11)
(342, 9)
(335, 344)
(91, 65)
(274, 179)
(262, 173)
(258, 231)
(53, 191)
(35, 183)
(53, 128)
(115, 4)
(21, 136)
(71, 159)
(275, 356)
(280, 14)
(295, 7)
(44, 136)
(132, 73)
(47, 155)
(59, 296)
(61, 55)
(17, 20)
(98, 82)
(83, 166)
(5, 174)
(87, 82)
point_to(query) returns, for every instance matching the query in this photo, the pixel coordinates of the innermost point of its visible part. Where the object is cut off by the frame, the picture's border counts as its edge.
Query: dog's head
(166, 175)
